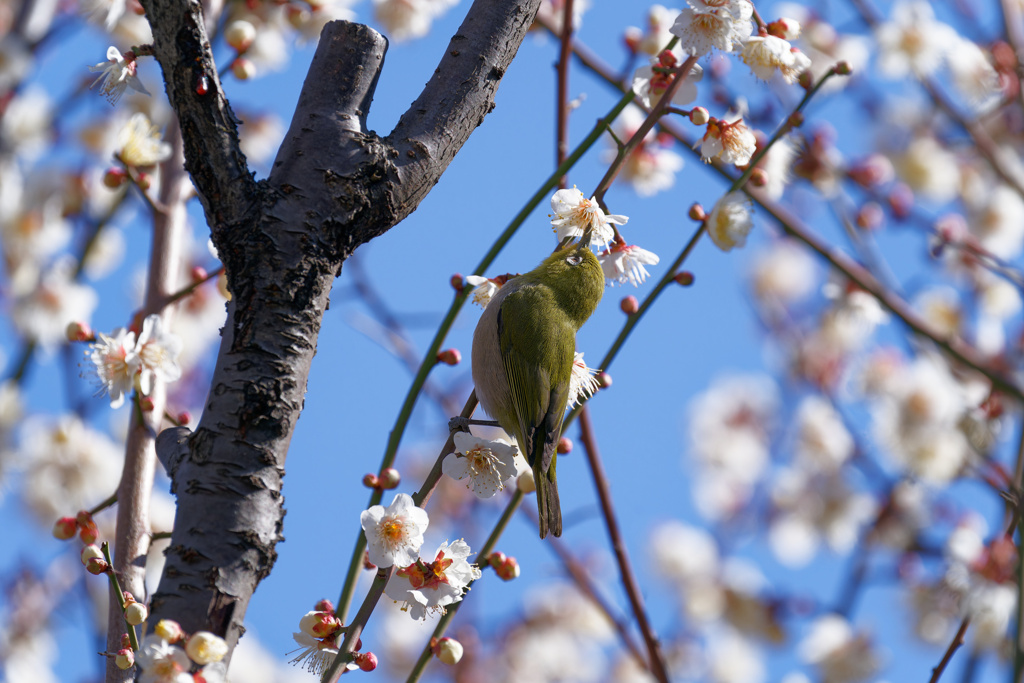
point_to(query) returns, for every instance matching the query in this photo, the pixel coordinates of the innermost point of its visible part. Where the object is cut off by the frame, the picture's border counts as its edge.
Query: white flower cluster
(119, 359)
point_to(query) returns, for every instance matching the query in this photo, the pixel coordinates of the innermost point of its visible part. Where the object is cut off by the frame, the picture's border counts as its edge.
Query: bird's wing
(539, 393)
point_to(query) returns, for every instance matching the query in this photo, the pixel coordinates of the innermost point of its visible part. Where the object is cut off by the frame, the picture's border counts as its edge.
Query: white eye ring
(574, 260)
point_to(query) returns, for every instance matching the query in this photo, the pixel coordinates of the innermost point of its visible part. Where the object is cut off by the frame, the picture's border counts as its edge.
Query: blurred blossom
(903, 516)
(912, 42)
(260, 136)
(991, 607)
(684, 553)
(730, 221)
(936, 611)
(43, 313)
(67, 465)
(730, 428)
(656, 34)
(839, 654)
(651, 166)
(783, 273)
(776, 164)
(32, 227)
(650, 82)
(825, 47)
(853, 317)
(554, 10)
(768, 55)
(940, 307)
(996, 218)
(103, 12)
(409, 19)
(105, 253)
(823, 443)
(930, 169)
(140, 143)
(732, 658)
(917, 421)
(26, 124)
(973, 74)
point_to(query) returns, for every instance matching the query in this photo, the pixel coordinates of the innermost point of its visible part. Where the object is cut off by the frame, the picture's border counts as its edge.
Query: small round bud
(872, 171)
(843, 68)
(243, 69)
(125, 658)
(525, 483)
(508, 570)
(91, 552)
(88, 532)
(65, 528)
(146, 404)
(457, 282)
(805, 80)
(449, 357)
(699, 116)
(169, 630)
(125, 641)
(143, 181)
(684, 278)
(366, 661)
(796, 119)
(324, 605)
(785, 28)
(758, 177)
(564, 446)
(370, 480)
(389, 478)
(901, 200)
(199, 274)
(631, 38)
(83, 517)
(206, 648)
(496, 559)
(366, 561)
(604, 380)
(629, 305)
(240, 34)
(448, 650)
(697, 213)
(870, 216)
(184, 417)
(96, 566)
(135, 613)
(114, 178)
(79, 332)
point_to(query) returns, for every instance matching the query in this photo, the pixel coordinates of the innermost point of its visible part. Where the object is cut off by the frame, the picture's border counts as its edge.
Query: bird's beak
(585, 240)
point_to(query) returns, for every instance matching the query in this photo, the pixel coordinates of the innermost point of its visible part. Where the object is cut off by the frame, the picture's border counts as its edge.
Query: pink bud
(448, 650)
(684, 278)
(699, 116)
(184, 417)
(114, 178)
(370, 481)
(564, 446)
(65, 528)
(508, 570)
(243, 69)
(389, 478)
(901, 200)
(125, 658)
(146, 404)
(632, 38)
(79, 332)
(324, 605)
(199, 274)
(366, 661)
(697, 213)
(125, 641)
(458, 283)
(143, 181)
(96, 566)
(449, 357)
(758, 177)
(135, 613)
(870, 216)
(88, 532)
(629, 305)
(496, 559)
(240, 35)
(604, 379)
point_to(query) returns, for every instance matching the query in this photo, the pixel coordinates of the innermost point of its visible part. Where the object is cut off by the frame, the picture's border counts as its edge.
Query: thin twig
(957, 641)
(562, 96)
(629, 580)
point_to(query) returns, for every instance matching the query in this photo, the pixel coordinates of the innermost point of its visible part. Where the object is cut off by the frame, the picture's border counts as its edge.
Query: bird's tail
(549, 511)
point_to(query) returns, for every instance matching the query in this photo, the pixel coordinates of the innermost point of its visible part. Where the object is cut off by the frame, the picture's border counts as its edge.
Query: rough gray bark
(334, 186)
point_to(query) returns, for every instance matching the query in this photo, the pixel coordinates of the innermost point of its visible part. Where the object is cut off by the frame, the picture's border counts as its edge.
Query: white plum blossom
(929, 168)
(162, 662)
(707, 24)
(583, 382)
(730, 141)
(973, 74)
(409, 19)
(315, 655)
(768, 55)
(575, 214)
(912, 41)
(43, 313)
(657, 35)
(117, 74)
(783, 273)
(430, 586)
(625, 263)
(115, 363)
(394, 534)
(652, 165)
(840, 654)
(650, 82)
(730, 221)
(139, 143)
(996, 217)
(823, 443)
(483, 289)
(157, 352)
(485, 464)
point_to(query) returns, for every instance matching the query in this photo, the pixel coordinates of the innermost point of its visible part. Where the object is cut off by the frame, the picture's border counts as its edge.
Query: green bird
(523, 352)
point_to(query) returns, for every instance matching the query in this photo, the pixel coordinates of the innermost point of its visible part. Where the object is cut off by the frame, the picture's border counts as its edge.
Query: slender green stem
(485, 551)
(429, 360)
(104, 504)
(132, 637)
(355, 629)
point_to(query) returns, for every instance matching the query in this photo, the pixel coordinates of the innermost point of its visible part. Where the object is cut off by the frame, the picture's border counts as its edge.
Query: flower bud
(901, 200)
(496, 559)
(88, 532)
(684, 278)
(146, 404)
(79, 332)
(458, 284)
(206, 648)
(126, 641)
(184, 417)
(91, 552)
(699, 116)
(870, 216)
(143, 181)
(697, 213)
(508, 570)
(449, 357)
(448, 650)
(366, 661)
(604, 380)
(96, 566)
(525, 483)
(169, 630)
(785, 28)
(240, 34)
(564, 446)
(324, 605)
(319, 624)
(389, 478)
(135, 613)
(366, 561)
(843, 68)
(125, 658)
(65, 528)
(631, 38)
(370, 480)
(629, 305)
(243, 69)
(114, 178)
(198, 274)
(759, 177)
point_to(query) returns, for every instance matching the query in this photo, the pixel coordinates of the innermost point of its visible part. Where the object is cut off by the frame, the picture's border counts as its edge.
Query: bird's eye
(574, 260)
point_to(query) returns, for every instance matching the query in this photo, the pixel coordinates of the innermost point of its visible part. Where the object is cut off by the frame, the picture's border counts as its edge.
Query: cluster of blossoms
(319, 637)
(119, 360)
(169, 655)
